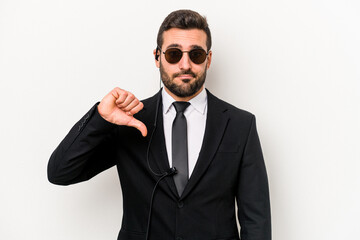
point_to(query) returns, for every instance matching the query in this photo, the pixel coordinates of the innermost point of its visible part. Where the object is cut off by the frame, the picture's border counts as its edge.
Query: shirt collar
(199, 102)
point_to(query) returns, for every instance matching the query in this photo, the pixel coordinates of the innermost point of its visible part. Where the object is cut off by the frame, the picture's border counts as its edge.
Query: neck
(183, 99)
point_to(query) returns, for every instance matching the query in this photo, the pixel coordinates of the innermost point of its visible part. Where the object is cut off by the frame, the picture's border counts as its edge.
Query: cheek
(171, 68)
(199, 68)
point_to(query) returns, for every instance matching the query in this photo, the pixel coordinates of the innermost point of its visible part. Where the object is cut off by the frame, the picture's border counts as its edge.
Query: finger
(117, 92)
(122, 95)
(131, 105)
(129, 98)
(136, 109)
(107, 104)
(139, 125)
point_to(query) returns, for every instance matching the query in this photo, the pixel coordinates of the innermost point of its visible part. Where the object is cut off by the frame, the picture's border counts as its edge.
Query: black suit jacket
(230, 169)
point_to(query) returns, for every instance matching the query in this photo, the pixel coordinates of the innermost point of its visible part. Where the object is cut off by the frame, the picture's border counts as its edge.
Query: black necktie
(179, 147)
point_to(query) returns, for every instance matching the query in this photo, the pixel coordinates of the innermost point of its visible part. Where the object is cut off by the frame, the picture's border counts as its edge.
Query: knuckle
(130, 95)
(117, 90)
(119, 101)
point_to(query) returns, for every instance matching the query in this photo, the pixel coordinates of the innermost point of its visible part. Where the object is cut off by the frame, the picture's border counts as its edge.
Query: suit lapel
(216, 122)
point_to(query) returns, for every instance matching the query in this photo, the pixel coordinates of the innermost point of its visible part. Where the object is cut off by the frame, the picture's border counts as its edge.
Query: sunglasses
(174, 55)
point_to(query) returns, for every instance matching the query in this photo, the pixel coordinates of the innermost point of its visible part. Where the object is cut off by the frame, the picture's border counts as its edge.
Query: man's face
(183, 79)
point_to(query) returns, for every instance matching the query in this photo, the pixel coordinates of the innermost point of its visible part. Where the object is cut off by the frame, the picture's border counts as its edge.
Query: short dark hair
(184, 19)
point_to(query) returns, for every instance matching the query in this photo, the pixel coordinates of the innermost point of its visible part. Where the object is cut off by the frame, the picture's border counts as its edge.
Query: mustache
(187, 72)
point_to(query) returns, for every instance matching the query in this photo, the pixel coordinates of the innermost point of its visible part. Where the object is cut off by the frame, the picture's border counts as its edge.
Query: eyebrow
(196, 47)
(175, 45)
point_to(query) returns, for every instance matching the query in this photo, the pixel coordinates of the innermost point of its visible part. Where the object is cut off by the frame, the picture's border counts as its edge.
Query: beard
(184, 90)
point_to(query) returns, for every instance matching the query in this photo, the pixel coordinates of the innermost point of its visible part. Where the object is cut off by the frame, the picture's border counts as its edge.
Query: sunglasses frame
(182, 52)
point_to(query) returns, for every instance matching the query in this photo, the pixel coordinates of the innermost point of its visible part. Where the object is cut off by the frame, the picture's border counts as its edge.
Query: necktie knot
(180, 106)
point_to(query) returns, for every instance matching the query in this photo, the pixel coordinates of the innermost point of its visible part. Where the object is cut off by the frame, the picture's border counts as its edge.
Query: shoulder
(150, 101)
(233, 111)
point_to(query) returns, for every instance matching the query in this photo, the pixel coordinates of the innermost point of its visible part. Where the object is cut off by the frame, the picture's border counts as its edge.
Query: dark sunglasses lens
(173, 55)
(197, 56)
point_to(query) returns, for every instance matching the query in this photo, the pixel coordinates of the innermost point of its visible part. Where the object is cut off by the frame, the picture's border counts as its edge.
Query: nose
(185, 62)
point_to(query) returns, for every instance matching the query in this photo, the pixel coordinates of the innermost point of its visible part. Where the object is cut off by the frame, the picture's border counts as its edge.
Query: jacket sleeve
(85, 151)
(253, 191)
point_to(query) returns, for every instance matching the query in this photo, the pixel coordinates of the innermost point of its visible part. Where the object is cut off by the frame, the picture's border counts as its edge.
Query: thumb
(139, 125)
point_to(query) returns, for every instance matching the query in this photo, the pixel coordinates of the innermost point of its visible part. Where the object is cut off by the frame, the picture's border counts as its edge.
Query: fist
(119, 106)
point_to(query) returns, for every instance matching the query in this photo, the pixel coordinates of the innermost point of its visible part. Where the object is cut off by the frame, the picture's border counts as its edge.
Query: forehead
(184, 38)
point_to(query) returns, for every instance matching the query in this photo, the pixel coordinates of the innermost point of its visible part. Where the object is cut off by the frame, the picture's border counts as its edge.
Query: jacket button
(180, 205)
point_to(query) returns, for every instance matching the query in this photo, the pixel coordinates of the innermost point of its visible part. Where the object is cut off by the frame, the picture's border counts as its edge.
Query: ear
(156, 56)
(209, 59)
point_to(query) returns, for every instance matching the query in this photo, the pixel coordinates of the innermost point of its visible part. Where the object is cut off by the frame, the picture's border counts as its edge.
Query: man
(184, 157)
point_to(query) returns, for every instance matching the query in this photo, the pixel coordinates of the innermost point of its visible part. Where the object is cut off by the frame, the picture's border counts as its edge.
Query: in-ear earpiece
(156, 54)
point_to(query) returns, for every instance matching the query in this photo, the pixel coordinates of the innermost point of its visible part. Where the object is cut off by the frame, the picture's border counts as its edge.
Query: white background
(294, 64)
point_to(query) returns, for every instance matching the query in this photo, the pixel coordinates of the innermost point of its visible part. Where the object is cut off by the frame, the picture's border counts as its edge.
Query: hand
(119, 106)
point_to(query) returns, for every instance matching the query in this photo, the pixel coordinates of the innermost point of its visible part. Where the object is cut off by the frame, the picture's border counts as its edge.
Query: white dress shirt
(195, 115)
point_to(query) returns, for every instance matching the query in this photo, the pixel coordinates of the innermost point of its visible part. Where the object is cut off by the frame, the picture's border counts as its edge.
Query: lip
(185, 76)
